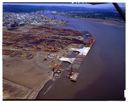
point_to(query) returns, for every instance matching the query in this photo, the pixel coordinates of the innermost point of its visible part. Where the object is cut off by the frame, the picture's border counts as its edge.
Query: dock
(76, 60)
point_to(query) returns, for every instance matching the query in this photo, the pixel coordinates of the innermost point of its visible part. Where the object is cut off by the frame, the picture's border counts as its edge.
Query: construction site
(33, 55)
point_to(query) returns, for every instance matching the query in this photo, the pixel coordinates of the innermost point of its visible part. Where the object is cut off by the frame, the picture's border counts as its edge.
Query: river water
(102, 73)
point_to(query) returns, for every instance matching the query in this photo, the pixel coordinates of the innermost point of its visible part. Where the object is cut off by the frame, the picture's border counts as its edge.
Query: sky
(73, 5)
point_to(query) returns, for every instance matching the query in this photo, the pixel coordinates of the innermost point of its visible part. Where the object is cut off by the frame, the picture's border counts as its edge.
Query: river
(102, 73)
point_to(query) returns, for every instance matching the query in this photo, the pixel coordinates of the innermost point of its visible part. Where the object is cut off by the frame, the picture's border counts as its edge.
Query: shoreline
(89, 78)
(34, 94)
(79, 58)
(29, 66)
(106, 21)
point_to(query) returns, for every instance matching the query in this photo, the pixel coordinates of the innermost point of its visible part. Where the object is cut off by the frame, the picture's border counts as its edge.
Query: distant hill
(31, 8)
(74, 11)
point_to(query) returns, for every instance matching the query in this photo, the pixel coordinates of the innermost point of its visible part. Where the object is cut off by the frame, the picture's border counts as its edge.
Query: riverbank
(30, 54)
(103, 68)
(110, 22)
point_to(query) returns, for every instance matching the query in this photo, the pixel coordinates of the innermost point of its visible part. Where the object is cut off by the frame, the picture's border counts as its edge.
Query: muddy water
(102, 73)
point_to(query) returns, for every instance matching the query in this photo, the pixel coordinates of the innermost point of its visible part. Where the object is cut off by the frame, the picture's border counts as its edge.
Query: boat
(74, 76)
